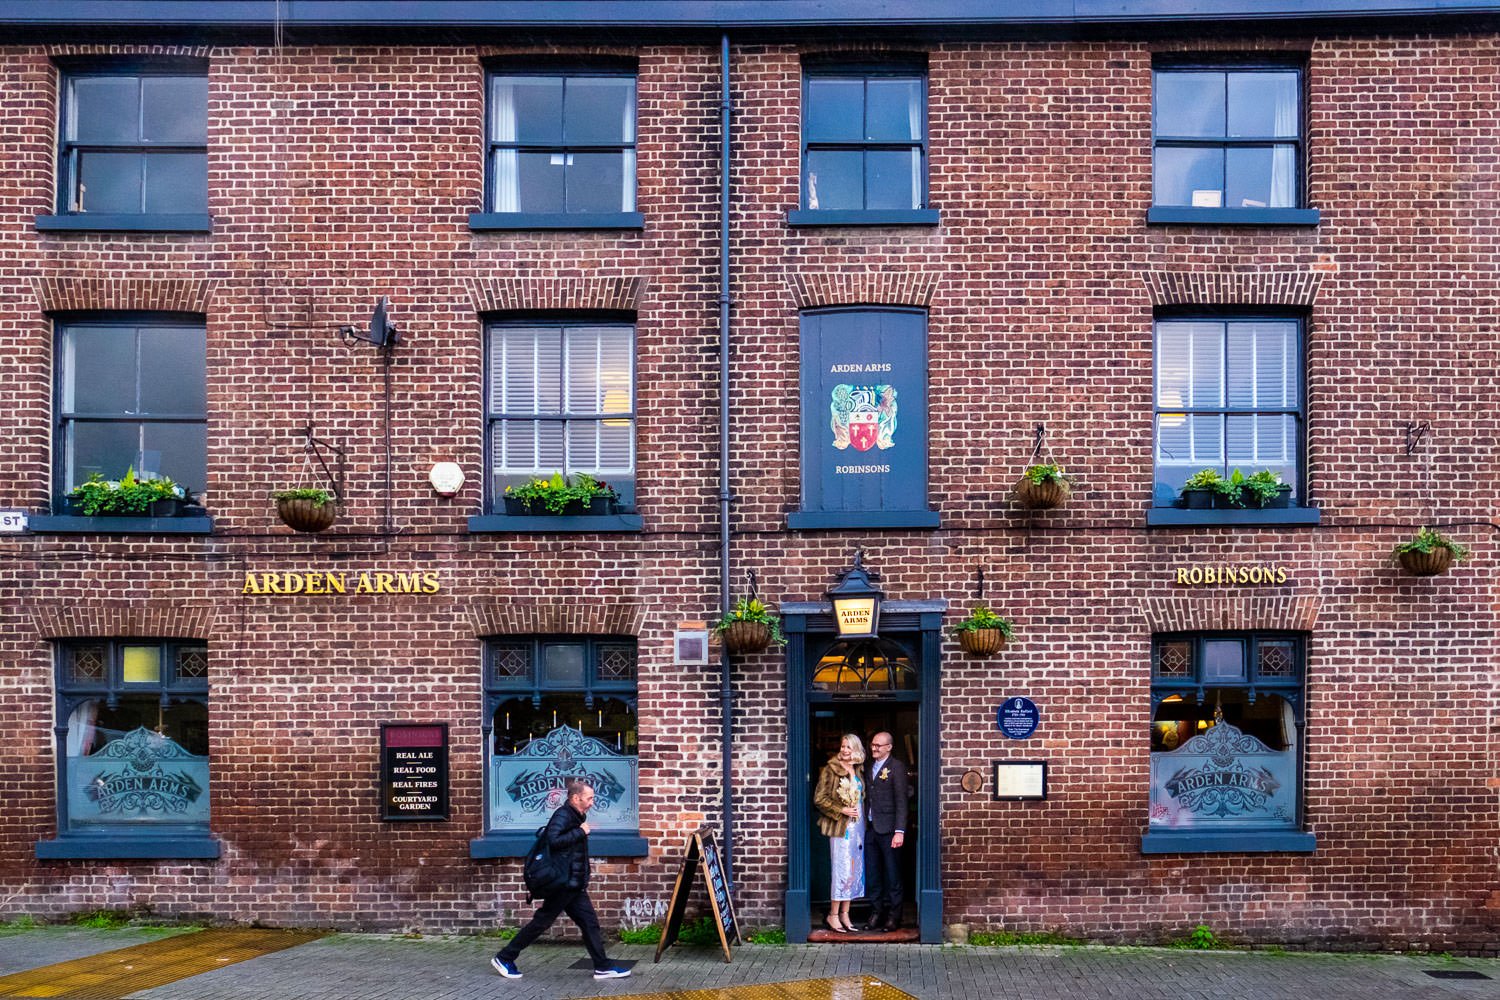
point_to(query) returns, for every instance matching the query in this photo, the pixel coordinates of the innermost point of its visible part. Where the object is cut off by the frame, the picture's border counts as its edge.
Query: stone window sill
(1180, 215)
(1226, 842)
(1175, 517)
(601, 845)
(804, 520)
(481, 222)
(582, 524)
(108, 222)
(119, 846)
(63, 524)
(860, 217)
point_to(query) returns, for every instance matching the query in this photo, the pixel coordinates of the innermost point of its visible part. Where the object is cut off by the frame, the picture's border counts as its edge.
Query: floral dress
(847, 853)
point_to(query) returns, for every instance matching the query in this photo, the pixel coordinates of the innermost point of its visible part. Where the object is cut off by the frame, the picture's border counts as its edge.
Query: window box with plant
(559, 495)
(1428, 553)
(308, 509)
(1043, 487)
(748, 627)
(1208, 489)
(983, 632)
(127, 497)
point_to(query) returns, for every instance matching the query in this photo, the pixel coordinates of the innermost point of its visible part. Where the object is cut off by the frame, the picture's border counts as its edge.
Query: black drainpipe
(726, 695)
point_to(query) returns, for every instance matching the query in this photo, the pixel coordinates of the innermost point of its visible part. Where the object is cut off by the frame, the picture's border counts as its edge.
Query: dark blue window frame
(1291, 688)
(493, 219)
(70, 214)
(1165, 513)
(919, 214)
(533, 687)
(160, 841)
(1296, 214)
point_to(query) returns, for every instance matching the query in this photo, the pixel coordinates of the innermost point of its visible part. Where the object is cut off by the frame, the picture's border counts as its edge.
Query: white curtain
(914, 122)
(81, 729)
(1284, 158)
(507, 173)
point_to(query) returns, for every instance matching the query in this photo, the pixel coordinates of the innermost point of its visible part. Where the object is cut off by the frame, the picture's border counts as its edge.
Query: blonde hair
(857, 747)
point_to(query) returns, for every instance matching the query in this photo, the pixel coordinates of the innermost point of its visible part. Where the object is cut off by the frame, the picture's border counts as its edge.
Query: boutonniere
(885, 774)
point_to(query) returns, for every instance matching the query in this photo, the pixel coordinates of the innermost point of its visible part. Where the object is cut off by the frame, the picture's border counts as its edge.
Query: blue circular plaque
(1017, 718)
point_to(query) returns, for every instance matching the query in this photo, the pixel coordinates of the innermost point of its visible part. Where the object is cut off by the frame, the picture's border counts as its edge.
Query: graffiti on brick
(528, 786)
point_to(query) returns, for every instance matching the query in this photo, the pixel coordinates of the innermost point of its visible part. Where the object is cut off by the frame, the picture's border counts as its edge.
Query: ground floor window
(559, 707)
(1225, 734)
(135, 719)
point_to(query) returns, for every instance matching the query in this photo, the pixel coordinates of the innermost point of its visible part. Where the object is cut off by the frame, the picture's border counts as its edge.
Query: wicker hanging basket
(1426, 563)
(746, 637)
(982, 641)
(1042, 496)
(304, 515)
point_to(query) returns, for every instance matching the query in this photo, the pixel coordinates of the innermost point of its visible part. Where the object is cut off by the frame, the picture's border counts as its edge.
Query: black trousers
(577, 905)
(883, 873)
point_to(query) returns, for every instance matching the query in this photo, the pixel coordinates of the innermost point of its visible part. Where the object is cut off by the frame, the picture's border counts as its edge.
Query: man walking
(888, 813)
(568, 838)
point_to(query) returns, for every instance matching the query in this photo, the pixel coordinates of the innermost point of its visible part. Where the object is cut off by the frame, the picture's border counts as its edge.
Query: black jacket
(569, 844)
(887, 796)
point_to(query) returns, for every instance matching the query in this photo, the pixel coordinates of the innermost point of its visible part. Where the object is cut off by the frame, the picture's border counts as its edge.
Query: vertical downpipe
(726, 695)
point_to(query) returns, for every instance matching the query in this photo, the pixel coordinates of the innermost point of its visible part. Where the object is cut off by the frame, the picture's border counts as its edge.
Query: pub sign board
(414, 771)
(864, 410)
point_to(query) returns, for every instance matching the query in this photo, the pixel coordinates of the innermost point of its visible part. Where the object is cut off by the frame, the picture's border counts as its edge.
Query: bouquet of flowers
(848, 791)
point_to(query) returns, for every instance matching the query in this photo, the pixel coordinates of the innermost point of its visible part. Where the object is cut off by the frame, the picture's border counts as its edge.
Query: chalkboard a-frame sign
(701, 846)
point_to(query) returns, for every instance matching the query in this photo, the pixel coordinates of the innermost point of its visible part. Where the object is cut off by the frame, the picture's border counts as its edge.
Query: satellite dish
(382, 333)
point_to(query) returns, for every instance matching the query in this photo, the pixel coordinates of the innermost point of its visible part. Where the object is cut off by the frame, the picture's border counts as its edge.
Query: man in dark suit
(887, 795)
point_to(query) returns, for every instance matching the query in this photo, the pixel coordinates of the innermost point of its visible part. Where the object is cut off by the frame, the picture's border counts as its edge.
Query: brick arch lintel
(108, 620)
(118, 294)
(617, 294)
(1230, 612)
(557, 618)
(117, 49)
(1296, 289)
(819, 289)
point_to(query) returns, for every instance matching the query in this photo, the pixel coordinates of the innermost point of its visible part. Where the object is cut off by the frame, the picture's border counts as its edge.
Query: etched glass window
(561, 707)
(134, 720)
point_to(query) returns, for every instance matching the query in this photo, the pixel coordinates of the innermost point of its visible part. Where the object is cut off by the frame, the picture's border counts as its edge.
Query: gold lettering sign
(326, 584)
(1224, 576)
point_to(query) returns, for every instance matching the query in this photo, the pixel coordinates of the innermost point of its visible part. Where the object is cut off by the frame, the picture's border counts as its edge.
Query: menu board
(701, 846)
(413, 771)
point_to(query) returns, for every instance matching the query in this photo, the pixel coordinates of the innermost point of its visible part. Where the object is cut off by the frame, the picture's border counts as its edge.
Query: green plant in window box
(127, 496)
(592, 496)
(983, 632)
(748, 627)
(1044, 486)
(306, 509)
(558, 495)
(1428, 553)
(1200, 489)
(1265, 489)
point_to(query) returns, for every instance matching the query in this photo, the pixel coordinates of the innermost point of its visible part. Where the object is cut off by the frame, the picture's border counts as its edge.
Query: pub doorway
(863, 686)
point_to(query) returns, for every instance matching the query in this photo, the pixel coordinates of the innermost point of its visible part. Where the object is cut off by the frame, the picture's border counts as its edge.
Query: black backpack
(543, 874)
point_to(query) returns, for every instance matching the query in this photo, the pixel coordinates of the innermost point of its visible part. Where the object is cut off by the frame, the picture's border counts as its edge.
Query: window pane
(86, 665)
(98, 370)
(1207, 388)
(1253, 179)
(525, 370)
(893, 179)
(526, 109)
(562, 664)
(1188, 176)
(1208, 441)
(540, 181)
(1174, 659)
(1223, 660)
(834, 180)
(1263, 104)
(106, 449)
(106, 109)
(175, 109)
(1277, 658)
(177, 451)
(895, 109)
(599, 110)
(176, 182)
(1190, 104)
(109, 182)
(141, 665)
(599, 370)
(531, 447)
(835, 110)
(601, 448)
(599, 182)
(173, 362)
(505, 181)
(1262, 365)
(113, 752)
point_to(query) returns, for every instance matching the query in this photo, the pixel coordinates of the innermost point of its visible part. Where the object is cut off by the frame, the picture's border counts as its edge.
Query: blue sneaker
(506, 969)
(610, 972)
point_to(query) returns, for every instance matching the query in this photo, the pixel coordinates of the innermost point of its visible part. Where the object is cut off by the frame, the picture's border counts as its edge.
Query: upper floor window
(134, 141)
(864, 138)
(561, 399)
(562, 143)
(131, 395)
(1228, 396)
(1228, 137)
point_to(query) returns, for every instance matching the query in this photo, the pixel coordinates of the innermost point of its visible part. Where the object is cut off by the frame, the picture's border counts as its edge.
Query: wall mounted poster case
(701, 846)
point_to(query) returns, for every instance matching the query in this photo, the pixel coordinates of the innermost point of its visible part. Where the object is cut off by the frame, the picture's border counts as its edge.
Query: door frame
(806, 622)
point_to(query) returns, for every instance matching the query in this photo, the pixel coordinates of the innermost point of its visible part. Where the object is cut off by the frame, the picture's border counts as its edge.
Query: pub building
(807, 287)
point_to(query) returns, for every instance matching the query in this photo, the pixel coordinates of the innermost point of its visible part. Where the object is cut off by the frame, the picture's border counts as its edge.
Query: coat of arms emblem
(864, 416)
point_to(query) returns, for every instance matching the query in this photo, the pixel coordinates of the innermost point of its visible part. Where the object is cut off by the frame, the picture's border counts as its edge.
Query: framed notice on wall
(414, 771)
(1020, 780)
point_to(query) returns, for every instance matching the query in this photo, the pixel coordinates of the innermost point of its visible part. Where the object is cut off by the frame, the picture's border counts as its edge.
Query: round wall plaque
(1017, 718)
(972, 781)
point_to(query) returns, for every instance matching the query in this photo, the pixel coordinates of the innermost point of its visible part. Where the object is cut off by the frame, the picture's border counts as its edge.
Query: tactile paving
(841, 988)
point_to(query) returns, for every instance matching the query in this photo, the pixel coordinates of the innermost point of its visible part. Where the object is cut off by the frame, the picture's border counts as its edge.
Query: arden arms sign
(332, 584)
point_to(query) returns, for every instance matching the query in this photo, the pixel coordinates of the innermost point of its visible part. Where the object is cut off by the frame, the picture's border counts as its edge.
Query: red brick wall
(339, 174)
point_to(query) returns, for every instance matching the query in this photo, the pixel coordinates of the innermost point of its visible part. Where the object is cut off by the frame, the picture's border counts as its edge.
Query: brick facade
(341, 172)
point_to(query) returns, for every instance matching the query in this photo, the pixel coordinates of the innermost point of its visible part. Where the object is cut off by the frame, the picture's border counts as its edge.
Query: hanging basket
(1426, 563)
(1042, 496)
(746, 637)
(982, 641)
(304, 515)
